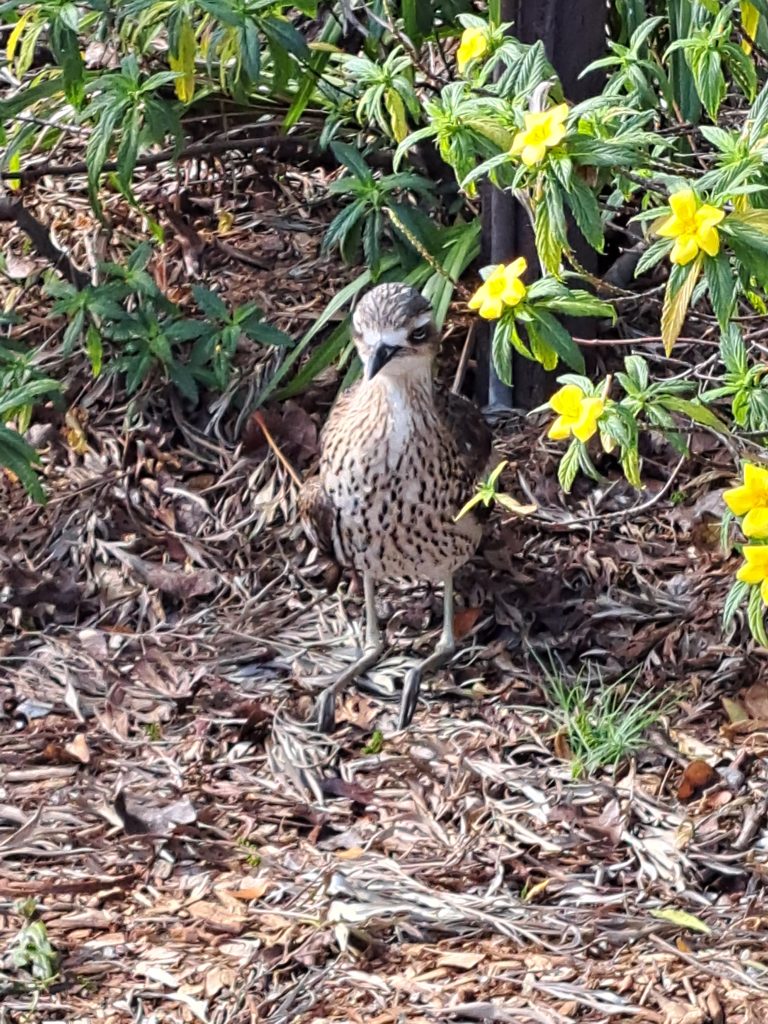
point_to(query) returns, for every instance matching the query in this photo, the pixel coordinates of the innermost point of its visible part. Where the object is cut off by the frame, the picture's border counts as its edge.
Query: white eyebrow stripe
(392, 339)
(424, 320)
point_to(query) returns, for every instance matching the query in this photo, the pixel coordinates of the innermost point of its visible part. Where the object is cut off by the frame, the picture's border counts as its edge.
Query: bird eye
(419, 335)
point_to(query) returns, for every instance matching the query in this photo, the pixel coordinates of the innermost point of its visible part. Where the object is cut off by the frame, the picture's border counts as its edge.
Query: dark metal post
(574, 35)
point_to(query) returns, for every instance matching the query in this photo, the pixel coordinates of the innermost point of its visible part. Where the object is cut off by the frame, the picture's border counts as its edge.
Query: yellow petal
(560, 429)
(753, 493)
(518, 144)
(683, 204)
(478, 298)
(535, 119)
(708, 239)
(669, 227)
(559, 113)
(533, 155)
(738, 500)
(491, 308)
(586, 426)
(708, 216)
(756, 479)
(514, 292)
(518, 267)
(755, 524)
(473, 44)
(556, 135)
(567, 401)
(684, 250)
(755, 568)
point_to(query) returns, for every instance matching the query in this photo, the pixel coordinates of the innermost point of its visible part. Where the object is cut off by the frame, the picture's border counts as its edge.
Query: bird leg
(374, 645)
(446, 645)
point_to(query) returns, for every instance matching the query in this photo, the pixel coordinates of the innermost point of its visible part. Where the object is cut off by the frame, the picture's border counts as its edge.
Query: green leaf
(501, 349)
(695, 411)
(721, 284)
(18, 456)
(576, 302)
(94, 349)
(25, 394)
(352, 160)
(586, 211)
(211, 304)
(653, 255)
(550, 229)
(710, 81)
(569, 466)
(268, 334)
(735, 598)
(749, 228)
(282, 33)
(637, 370)
(555, 335)
(733, 351)
(756, 616)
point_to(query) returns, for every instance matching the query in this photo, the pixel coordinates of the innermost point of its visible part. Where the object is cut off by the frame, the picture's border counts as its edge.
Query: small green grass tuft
(31, 949)
(603, 723)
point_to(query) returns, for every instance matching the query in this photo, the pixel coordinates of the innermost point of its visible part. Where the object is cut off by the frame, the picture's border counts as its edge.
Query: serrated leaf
(586, 212)
(756, 616)
(735, 598)
(676, 303)
(556, 337)
(695, 411)
(501, 351)
(183, 61)
(721, 285)
(569, 466)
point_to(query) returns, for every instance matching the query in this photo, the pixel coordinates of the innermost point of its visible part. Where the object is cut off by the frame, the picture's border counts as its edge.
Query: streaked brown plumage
(399, 458)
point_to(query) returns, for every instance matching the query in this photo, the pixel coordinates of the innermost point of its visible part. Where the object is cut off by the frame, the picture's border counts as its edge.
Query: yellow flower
(578, 413)
(501, 288)
(750, 20)
(692, 225)
(753, 493)
(751, 501)
(755, 568)
(474, 44)
(542, 131)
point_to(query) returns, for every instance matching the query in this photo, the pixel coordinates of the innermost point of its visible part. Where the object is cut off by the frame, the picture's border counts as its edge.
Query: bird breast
(396, 480)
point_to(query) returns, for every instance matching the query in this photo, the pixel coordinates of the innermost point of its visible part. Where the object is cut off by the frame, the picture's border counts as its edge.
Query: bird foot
(412, 683)
(326, 702)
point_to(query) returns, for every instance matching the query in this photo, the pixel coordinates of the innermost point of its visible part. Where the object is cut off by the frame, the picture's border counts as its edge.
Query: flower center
(535, 136)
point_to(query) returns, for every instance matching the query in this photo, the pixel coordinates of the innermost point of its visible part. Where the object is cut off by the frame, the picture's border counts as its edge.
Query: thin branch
(41, 239)
(286, 145)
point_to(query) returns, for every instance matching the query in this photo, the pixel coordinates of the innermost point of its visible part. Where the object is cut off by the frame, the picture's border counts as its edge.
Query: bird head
(394, 332)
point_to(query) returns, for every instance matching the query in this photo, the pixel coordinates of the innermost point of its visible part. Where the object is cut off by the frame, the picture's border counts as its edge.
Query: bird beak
(379, 358)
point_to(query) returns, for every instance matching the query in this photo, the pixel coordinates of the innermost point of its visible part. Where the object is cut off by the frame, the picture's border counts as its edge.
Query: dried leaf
(464, 621)
(254, 891)
(735, 710)
(353, 853)
(697, 776)
(755, 700)
(676, 306)
(78, 749)
(217, 918)
(456, 958)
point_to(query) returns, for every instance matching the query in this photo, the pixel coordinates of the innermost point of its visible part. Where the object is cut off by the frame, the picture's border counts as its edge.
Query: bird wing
(316, 511)
(465, 421)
